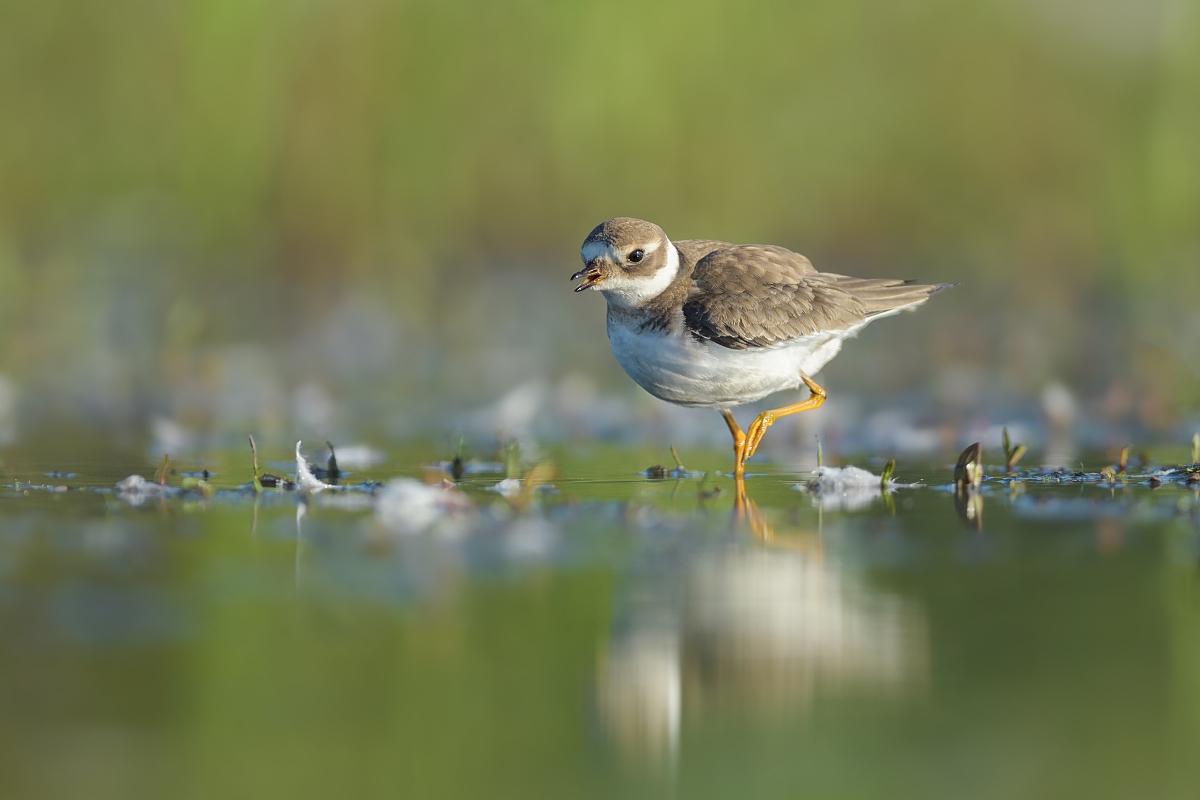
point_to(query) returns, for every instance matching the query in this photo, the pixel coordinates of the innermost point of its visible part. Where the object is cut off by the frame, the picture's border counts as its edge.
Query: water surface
(612, 636)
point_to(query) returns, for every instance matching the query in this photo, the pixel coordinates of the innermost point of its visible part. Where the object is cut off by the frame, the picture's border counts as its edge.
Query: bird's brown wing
(753, 295)
(758, 295)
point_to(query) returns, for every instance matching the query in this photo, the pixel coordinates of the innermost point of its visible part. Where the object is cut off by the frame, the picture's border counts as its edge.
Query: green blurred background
(361, 215)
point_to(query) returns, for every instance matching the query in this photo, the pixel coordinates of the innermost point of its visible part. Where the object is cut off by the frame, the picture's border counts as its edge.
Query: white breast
(679, 369)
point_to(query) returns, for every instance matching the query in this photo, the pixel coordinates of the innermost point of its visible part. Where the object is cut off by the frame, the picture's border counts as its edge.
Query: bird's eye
(636, 256)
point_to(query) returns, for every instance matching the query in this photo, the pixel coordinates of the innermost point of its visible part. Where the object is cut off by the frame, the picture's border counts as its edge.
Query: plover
(710, 324)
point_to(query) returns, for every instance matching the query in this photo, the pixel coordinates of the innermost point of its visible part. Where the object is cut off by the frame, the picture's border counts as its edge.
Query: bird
(709, 324)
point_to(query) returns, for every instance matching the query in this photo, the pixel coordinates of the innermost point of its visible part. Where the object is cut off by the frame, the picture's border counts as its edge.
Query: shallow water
(612, 636)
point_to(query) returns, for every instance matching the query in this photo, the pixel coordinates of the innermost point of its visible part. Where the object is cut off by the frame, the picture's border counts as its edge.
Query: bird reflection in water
(758, 629)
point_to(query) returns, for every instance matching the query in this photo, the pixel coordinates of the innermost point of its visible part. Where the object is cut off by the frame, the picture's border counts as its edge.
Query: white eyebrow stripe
(592, 250)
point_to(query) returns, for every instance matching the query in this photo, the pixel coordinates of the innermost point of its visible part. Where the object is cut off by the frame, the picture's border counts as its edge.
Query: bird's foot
(755, 432)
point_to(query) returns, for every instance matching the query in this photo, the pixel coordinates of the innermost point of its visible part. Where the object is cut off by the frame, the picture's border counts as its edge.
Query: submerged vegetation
(838, 488)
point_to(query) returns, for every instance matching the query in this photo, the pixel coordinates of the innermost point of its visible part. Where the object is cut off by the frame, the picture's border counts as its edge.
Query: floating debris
(1180, 474)
(306, 482)
(276, 482)
(509, 487)
(38, 487)
(658, 472)
(847, 488)
(836, 479)
(407, 506)
(136, 490)
(520, 490)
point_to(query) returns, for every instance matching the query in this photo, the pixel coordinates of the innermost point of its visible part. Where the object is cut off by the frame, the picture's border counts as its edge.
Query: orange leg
(739, 443)
(739, 452)
(764, 420)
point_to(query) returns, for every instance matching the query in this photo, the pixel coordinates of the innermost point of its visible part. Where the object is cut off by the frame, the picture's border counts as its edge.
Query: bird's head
(630, 261)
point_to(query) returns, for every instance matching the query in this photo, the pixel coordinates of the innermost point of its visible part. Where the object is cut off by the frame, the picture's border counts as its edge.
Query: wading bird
(711, 324)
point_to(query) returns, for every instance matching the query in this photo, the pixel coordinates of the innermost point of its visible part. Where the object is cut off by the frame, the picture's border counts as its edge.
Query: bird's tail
(885, 295)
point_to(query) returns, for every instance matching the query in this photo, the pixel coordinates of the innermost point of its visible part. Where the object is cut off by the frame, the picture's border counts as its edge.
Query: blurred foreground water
(605, 635)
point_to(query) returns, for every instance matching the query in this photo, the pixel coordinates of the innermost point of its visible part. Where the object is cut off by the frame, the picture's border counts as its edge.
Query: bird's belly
(679, 369)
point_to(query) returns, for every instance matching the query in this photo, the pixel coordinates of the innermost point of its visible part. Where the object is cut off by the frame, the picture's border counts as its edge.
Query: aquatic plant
(1011, 454)
(968, 471)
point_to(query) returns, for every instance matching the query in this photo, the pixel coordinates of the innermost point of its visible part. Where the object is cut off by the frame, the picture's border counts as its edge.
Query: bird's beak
(591, 275)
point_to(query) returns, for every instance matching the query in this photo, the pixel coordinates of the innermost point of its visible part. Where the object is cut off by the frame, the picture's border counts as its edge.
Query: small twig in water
(512, 459)
(817, 436)
(1124, 460)
(160, 477)
(258, 487)
(331, 466)
(678, 463)
(458, 465)
(1196, 448)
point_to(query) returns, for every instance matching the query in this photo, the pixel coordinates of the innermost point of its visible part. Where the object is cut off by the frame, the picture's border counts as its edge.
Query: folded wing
(748, 296)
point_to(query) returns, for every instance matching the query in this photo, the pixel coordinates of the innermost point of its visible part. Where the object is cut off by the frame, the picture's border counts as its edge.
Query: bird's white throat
(627, 292)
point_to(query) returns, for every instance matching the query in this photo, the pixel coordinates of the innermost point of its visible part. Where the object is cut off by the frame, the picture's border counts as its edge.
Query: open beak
(591, 275)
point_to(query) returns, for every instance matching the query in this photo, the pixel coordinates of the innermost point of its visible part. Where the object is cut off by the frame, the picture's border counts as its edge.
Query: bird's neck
(658, 311)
